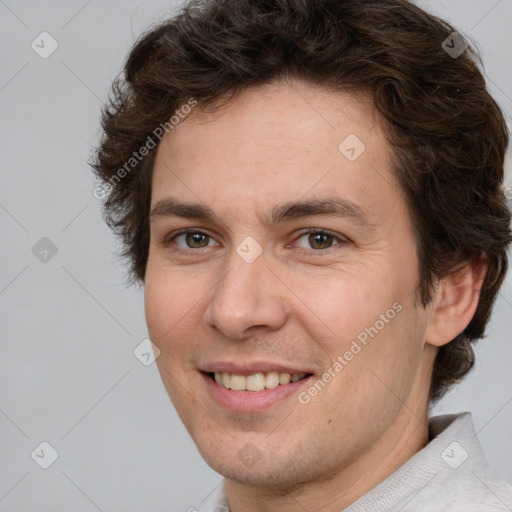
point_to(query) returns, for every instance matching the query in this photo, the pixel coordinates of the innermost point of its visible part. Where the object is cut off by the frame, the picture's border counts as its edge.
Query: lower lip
(250, 401)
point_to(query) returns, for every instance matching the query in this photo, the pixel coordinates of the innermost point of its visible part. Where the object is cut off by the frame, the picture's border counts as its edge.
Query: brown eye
(192, 240)
(195, 240)
(320, 240)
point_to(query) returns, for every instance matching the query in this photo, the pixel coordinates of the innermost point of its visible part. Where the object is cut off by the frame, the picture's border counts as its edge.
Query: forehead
(277, 143)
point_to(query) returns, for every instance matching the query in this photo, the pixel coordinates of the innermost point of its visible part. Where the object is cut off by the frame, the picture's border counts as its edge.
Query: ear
(455, 301)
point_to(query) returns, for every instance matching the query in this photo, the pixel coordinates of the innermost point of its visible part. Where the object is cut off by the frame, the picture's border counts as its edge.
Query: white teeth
(272, 380)
(284, 378)
(256, 381)
(238, 382)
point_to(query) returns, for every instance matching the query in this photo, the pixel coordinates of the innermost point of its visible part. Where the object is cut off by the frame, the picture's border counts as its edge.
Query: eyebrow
(329, 207)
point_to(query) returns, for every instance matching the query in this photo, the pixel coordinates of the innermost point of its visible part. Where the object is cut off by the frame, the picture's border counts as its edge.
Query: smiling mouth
(256, 381)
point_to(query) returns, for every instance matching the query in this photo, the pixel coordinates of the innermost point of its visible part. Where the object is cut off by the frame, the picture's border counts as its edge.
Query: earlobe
(455, 301)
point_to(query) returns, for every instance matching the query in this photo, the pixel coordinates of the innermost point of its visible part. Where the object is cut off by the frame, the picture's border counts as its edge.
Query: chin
(274, 474)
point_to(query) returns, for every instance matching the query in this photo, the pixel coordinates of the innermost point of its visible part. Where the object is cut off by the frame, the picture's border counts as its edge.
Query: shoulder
(461, 477)
(466, 490)
(450, 474)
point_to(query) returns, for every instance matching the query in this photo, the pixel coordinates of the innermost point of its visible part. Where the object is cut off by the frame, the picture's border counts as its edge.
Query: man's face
(255, 291)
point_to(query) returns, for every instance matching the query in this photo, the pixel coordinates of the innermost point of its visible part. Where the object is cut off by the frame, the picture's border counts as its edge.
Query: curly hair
(447, 134)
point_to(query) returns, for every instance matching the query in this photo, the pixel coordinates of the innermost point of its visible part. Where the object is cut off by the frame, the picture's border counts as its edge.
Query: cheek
(374, 328)
(169, 311)
(171, 299)
(337, 306)
(372, 379)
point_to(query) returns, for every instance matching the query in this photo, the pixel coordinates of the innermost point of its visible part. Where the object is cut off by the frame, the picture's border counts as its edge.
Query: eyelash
(318, 231)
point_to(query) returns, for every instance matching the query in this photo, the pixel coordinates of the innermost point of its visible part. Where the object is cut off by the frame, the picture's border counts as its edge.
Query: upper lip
(251, 367)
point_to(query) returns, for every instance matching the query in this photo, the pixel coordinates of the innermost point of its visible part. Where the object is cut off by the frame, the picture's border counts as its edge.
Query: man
(311, 194)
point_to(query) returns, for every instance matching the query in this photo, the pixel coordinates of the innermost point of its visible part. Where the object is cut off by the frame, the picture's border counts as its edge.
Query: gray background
(69, 325)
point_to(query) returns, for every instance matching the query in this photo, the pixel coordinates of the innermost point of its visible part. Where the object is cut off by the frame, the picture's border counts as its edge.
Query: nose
(248, 298)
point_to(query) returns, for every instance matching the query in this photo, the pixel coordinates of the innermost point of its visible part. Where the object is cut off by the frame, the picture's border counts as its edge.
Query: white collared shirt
(450, 474)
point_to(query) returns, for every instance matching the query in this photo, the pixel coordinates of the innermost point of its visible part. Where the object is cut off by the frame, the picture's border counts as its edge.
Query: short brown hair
(447, 134)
